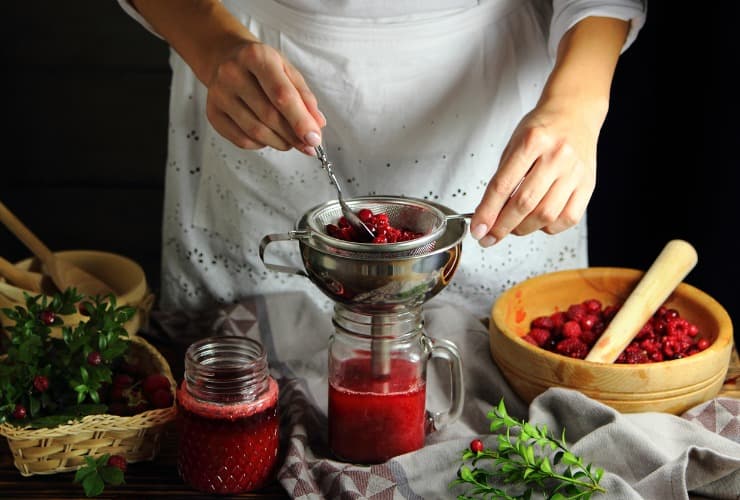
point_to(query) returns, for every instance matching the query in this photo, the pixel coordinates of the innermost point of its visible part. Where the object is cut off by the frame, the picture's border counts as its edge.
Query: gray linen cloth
(653, 456)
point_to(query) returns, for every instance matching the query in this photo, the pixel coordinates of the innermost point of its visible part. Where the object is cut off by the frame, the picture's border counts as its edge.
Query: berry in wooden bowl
(692, 369)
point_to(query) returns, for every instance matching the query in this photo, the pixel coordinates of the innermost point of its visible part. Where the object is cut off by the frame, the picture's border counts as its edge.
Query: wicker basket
(63, 448)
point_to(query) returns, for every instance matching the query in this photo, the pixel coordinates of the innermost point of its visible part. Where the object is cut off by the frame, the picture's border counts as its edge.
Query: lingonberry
(571, 329)
(94, 358)
(377, 223)
(117, 461)
(162, 398)
(152, 383)
(123, 380)
(540, 335)
(41, 383)
(476, 446)
(47, 317)
(665, 336)
(19, 412)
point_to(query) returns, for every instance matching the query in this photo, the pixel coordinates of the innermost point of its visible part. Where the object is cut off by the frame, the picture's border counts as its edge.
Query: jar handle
(292, 235)
(447, 350)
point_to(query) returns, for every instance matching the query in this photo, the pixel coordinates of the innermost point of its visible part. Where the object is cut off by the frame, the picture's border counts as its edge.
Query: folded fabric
(644, 455)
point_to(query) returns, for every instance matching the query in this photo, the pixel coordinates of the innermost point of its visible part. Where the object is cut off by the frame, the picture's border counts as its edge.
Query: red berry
(152, 383)
(47, 317)
(122, 380)
(539, 335)
(702, 344)
(19, 413)
(572, 329)
(476, 446)
(545, 322)
(94, 358)
(365, 215)
(162, 398)
(117, 461)
(41, 383)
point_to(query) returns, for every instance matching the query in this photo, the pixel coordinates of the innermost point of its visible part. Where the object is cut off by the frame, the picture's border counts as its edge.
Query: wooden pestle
(668, 270)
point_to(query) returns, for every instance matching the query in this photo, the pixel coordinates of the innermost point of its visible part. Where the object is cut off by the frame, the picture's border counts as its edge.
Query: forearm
(586, 60)
(201, 31)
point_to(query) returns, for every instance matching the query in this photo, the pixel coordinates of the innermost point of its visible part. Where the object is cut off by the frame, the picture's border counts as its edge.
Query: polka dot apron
(418, 105)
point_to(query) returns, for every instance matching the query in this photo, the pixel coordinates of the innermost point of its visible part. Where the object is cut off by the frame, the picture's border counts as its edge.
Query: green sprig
(530, 461)
(96, 473)
(74, 384)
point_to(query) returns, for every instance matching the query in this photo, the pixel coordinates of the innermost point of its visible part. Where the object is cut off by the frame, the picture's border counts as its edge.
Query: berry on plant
(47, 317)
(41, 383)
(94, 358)
(476, 446)
(19, 413)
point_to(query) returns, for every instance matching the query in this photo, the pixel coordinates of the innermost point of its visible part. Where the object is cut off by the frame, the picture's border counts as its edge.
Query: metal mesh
(402, 213)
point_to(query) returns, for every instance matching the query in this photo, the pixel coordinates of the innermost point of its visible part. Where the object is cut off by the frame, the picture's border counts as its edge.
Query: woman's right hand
(256, 98)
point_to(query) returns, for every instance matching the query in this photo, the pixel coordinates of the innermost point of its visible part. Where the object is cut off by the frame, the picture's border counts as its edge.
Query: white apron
(418, 104)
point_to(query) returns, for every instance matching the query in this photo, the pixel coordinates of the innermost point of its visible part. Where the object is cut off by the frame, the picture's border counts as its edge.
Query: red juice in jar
(373, 419)
(227, 417)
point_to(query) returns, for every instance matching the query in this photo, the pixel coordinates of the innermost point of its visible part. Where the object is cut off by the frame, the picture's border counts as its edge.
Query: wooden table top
(159, 478)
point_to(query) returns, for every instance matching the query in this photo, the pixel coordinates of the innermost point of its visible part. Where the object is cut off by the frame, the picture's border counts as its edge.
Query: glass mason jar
(377, 384)
(227, 416)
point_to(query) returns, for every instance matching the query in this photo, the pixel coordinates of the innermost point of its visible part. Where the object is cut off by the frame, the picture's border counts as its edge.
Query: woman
(491, 105)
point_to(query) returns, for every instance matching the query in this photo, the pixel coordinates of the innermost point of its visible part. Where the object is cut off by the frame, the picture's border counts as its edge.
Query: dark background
(85, 115)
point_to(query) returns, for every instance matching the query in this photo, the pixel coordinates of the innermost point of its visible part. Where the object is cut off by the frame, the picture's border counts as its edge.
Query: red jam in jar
(227, 417)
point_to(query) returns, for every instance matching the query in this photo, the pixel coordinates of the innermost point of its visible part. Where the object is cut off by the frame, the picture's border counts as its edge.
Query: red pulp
(374, 419)
(227, 448)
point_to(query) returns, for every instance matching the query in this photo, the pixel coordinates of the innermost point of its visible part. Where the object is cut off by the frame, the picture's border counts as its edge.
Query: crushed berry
(377, 223)
(665, 336)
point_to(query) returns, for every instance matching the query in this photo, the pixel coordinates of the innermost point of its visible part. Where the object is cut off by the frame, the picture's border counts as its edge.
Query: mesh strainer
(403, 213)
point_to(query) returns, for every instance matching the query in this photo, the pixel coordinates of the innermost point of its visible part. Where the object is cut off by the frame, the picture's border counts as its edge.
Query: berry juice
(228, 448)
(372, 419)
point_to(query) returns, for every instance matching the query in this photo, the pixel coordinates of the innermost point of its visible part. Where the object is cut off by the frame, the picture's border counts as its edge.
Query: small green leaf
(112, 475)
(93, 485)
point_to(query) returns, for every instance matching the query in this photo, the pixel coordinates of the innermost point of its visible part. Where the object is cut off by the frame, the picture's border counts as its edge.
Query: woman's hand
(546, 175)
(547, 172)
(256, 98)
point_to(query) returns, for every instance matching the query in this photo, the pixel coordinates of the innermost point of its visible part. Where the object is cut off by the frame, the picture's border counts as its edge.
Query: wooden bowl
(123, 275)
(668, 386)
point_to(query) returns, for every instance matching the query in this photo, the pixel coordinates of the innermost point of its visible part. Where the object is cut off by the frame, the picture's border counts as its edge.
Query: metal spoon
(362, 230)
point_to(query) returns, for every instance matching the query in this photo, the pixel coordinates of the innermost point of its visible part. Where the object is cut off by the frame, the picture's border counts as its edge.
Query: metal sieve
(403, 213)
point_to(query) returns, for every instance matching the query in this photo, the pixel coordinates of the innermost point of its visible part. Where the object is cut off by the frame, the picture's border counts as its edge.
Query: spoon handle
(24, 234)
(671, 266)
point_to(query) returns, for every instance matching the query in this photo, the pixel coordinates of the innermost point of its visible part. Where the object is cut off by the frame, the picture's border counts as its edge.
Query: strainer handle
(447, 350)
(289, 236)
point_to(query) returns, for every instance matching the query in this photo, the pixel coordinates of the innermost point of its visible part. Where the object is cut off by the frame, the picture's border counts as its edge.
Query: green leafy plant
(97, 472)
(532, 461)
(46, 380)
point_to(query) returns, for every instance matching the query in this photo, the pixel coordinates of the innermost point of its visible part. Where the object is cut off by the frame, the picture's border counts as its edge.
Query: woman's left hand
(546, 175)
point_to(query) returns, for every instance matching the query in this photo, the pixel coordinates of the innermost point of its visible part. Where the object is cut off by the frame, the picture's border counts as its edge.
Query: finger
(548, 210)
(515, 163)
(257, 103)
(309, 99)
(524, 200)
(225, 126)
(283, 94)
(572, 213)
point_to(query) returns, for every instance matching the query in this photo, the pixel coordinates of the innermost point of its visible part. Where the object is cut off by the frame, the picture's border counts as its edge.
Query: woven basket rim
(105, 421)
